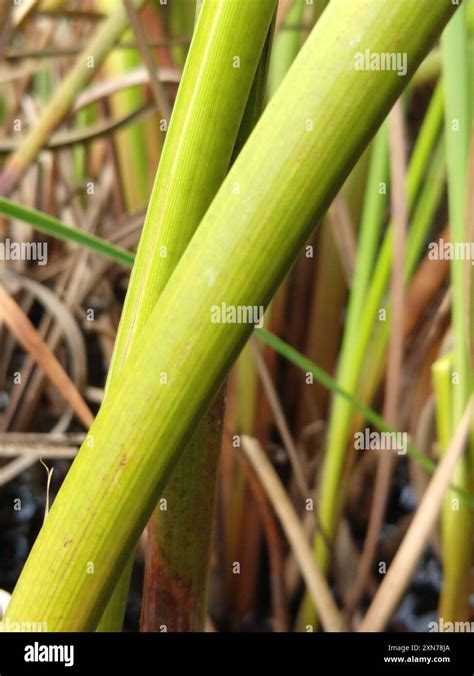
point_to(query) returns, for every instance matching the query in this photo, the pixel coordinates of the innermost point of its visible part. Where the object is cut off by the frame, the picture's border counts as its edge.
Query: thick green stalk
(179, 540)
(193, 137)
(179, 537)
(456, 520)
(59, 104)
(144, 424)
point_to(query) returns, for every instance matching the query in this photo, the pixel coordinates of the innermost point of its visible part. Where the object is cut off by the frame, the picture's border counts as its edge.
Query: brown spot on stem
(9, 178)
(167, 599)
(178, 547)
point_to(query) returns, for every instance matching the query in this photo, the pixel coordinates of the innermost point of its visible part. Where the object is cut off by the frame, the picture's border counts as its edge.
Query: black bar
(436, 653)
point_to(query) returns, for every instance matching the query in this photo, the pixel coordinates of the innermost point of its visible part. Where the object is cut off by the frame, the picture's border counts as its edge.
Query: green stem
(131, 142)
(49, 225)
(286, 47)
(457, 134)
(180, 536)
(456, 517)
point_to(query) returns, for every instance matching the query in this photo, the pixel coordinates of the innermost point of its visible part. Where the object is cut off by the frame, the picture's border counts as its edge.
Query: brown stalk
(159, 93)
(26, 334)
(137, 76)
(13, 54)
(343, 233)
(280, 421)
(275, 551)
(65, 139)
(316, 582)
